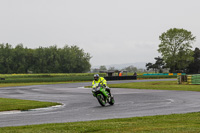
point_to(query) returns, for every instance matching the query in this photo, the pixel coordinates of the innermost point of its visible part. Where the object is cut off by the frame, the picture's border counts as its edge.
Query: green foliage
(175, 48)
(157, 66)
(194, 67)
(102, 68)
(112, 68)
(70, 59)
(131, 69)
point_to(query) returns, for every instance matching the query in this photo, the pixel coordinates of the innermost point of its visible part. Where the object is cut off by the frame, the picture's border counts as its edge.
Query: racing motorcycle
(102, 95)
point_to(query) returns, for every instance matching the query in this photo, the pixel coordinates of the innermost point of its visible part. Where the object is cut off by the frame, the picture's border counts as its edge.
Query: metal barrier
(121, 78)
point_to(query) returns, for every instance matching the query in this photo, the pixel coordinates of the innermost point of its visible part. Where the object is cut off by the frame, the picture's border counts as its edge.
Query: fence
(121, 78)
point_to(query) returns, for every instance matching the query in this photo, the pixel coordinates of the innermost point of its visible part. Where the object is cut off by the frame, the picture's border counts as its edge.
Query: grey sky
(112, 31)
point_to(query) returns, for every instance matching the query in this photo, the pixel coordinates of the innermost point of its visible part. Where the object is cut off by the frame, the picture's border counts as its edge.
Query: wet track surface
(80, 105)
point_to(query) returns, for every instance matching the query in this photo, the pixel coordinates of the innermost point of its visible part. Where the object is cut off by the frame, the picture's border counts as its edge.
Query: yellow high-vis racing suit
(101, 80)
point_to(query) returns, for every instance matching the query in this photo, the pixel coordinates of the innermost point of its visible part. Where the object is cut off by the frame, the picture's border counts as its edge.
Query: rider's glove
(104, 85)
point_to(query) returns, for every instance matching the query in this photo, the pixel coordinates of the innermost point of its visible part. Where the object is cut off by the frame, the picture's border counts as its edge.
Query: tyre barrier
(193, 79)
(121, 78)
(181, 78)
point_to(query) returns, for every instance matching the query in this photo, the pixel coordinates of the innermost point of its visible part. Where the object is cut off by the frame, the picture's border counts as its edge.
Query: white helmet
(96, 77)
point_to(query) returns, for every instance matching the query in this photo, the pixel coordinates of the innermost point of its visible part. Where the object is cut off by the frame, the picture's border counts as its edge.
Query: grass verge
(157, 85)
(45, 77)
(7, 104)
(37, 83)
(176, 123)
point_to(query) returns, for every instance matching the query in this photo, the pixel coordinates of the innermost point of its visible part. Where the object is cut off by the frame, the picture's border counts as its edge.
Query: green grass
(7, 104)
(61, 77)
(46, 79)
(175, 123)
(57, 77)
(157, 85)
(46, 75)
(36, 83)
(155, 76)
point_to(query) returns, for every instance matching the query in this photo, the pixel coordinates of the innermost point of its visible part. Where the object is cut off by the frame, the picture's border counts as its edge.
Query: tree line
(69, 59)
(176, 52)
(130, 68)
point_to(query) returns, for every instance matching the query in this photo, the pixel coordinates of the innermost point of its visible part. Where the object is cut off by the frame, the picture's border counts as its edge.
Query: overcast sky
(112, 31)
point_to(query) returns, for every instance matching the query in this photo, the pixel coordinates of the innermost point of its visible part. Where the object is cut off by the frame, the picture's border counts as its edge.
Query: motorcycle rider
(102, 81)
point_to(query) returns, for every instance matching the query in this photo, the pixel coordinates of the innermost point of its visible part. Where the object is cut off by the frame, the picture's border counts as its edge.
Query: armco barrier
(121, 78)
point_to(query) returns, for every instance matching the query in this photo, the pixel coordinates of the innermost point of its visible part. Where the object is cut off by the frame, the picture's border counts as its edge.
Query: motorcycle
(102, 95)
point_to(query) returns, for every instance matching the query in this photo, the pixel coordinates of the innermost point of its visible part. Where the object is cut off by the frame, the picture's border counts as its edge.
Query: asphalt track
(80, 105)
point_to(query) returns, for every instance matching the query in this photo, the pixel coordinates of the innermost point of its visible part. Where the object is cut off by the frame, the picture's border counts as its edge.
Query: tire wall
(193, 79)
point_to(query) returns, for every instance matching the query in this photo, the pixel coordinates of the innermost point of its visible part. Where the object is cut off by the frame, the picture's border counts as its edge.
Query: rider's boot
(108, 90)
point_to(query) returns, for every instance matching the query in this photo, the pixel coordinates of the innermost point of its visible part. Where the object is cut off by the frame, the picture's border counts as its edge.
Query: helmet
(96, 77)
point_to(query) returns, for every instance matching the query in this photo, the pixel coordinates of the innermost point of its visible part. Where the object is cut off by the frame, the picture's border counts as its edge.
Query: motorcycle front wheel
(112, 100)
(101, 100)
